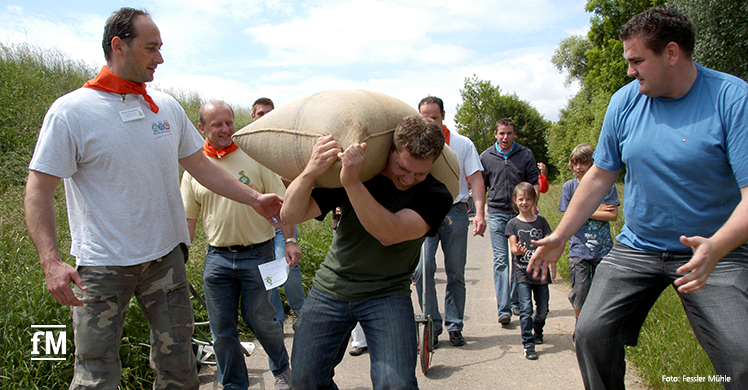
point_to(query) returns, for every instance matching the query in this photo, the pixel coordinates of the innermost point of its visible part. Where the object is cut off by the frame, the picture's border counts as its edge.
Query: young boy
(520, 230)
(593, 240)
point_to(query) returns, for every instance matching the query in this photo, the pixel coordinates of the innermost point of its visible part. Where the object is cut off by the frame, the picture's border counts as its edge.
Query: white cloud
(238, 50)
(79, 35)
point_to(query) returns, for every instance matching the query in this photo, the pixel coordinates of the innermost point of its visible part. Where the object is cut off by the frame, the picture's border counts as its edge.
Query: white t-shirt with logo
(119, 162)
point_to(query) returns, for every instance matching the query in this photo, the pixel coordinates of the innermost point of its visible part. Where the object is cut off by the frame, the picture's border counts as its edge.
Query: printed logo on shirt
(160, 129)
(524, 237)
(243, 178)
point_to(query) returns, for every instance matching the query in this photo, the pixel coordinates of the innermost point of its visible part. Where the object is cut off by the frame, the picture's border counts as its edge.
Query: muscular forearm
(387, 227)
(288, 231)
(40, 216)
(218, 180)
(479, 192)
(191, 227)
(298, 200)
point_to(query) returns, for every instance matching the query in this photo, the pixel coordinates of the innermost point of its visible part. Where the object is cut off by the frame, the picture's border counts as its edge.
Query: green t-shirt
(358, 266)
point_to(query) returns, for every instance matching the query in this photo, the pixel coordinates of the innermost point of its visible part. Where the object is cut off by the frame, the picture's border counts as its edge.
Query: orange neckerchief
(109, 82)
(210, 151)
(445, 130)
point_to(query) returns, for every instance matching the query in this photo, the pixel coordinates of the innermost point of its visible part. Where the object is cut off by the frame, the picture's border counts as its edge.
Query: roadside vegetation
(31, 78)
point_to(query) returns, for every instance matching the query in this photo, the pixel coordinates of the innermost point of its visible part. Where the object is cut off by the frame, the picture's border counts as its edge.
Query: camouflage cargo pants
(161, 288)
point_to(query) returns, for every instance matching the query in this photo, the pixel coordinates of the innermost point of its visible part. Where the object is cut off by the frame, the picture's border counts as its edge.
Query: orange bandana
(210, 151)
(109, 82)
(445, 130)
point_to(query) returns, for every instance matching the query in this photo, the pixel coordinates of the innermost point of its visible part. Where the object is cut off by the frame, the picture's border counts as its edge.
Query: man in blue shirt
(682, 229)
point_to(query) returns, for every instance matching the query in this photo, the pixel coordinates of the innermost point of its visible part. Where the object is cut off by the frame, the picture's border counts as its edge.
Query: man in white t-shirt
(453, 232)
(118, 148)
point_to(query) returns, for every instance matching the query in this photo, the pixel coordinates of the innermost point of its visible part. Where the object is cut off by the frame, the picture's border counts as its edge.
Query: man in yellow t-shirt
(239, 240)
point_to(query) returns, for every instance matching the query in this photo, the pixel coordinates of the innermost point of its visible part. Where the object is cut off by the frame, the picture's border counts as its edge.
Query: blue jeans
(322, 335)
(231, 278)
(626, 285)
(293, 287)
(502, 275)
(527, 323)
(453, 234)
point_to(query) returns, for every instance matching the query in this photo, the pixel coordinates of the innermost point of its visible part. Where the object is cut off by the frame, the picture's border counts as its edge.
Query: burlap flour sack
(283, 139)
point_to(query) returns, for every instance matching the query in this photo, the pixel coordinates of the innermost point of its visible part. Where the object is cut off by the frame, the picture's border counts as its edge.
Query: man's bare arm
(387, 227)
(298, 205)
(593, 188)
(222, 183)
(41, 223)
(479, 198)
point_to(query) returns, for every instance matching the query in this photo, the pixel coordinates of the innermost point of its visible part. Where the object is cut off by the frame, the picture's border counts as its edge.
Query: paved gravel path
(492, 357)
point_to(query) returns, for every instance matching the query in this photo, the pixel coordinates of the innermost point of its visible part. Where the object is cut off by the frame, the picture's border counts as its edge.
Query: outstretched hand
(701, 265)
(549, 249)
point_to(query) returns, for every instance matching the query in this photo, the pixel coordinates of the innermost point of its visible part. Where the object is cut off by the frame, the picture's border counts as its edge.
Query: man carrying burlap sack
(366, 275)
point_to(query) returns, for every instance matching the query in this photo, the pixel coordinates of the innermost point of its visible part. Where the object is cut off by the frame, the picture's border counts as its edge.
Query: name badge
(132, 114)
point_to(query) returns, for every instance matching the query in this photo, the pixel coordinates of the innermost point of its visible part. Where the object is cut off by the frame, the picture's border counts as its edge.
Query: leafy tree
(721, 33)
(483, 105)
(580, 122)
(571, 55)
(598, 64)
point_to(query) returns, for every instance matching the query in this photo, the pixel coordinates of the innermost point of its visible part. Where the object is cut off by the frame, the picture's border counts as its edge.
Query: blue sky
(240, 50)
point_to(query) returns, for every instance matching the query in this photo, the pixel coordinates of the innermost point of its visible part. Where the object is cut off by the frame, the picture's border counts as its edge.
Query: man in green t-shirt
(366, 275)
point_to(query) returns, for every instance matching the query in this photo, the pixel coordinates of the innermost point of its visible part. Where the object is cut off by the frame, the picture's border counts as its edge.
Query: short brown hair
(582, 154)
(431, 100)
(120, 24)
(421, 137)
(505, 122)
(659, 26)
(263, 101)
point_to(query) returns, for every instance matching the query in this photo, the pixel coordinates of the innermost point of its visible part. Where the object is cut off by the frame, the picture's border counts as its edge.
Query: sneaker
(435, 338)
(505, 319)
(538, 338)
(283, 380)
(530, 352)
(294, 319)
(456, 339)
(515, 310)
(357, 351)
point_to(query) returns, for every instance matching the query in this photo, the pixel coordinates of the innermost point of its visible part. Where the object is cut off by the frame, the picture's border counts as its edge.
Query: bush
(31, 78)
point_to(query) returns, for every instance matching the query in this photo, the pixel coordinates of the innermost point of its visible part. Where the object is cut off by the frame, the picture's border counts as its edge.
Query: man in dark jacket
(506, 164)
